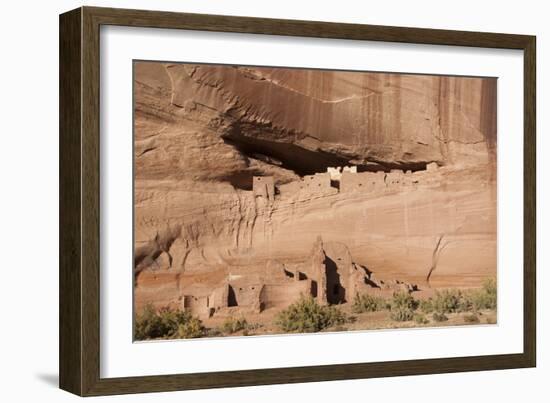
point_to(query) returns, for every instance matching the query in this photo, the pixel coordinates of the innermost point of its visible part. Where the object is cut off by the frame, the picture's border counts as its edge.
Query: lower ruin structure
(329, 275)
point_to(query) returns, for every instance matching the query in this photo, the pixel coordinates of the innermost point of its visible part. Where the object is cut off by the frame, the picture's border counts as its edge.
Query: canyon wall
(203, 132)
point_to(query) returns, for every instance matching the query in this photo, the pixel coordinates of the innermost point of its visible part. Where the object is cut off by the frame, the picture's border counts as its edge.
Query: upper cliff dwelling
(271, 200)
(301, 162)
(345, 179)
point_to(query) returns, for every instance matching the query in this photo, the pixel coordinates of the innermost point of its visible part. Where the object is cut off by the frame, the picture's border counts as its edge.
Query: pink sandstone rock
(203, 132)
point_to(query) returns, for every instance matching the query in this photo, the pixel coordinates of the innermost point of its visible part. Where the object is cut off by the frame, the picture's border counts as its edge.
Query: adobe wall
(281, 295)
(275, 271)
(245, 296)
(289, 189)
(309, 185)
(219, 297)
(196, 306)
(336, 172)
(338, 266)
(317, 182)
(395, 179)
(263, 186)
(363, 181)
(357, 283)
(318, 271)
(335, 278)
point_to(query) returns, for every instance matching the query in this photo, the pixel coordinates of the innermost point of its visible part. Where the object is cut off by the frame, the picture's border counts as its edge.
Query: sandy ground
(263, 323)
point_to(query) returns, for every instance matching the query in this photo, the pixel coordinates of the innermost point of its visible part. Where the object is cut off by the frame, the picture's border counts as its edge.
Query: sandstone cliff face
(307, 119)
(202, 132)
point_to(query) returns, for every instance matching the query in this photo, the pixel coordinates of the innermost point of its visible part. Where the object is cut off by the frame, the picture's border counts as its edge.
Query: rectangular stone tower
(263, 186)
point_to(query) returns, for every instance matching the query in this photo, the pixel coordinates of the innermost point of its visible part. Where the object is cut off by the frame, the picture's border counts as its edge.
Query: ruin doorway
(314, 289)
(231, 297)
(336, 293)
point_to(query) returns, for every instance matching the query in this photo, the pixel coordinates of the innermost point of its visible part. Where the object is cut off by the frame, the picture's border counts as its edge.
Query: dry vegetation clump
(403, 306)
(232, 325)
(166, 324)
(426, 305)
(453, 300)
(368, 303)
(402, 315)
(486, 298)
(450, 301)
(306, 316)
(421, 319)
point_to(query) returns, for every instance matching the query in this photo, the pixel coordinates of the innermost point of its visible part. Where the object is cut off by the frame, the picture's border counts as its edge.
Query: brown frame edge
(79, 201)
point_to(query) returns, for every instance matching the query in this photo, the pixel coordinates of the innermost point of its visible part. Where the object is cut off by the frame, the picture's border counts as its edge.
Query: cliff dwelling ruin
(346, 179)
(255, 187)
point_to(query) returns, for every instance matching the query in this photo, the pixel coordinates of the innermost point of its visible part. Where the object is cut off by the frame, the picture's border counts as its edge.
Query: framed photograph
(249, 201)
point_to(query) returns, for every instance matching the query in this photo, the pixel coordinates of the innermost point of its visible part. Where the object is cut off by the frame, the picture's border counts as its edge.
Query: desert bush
(368, 303)
(421, 319)
(166, 324)
(439, 317)
(405, 300)
(490, 287)
(306, 316)
(486, 298)
(449, 301)
(426, 305)
(471, 318)
(466, 303)
(403, 306)
(191, 328)
(401, 314)
(149, 325)
(452, 300)
(232, 325)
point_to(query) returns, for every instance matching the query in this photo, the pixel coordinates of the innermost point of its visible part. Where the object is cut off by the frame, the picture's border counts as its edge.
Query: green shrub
(490, 287)
(306, 316)
(466, 303)
(439, 317)
(403, 306)
(368, 303)
(191, 328)
(148, 325)
(486, 298)
(426, 305)
(421, 319)
(452, 300)
(402, 314)
(232, 325)
(471, 318)
(403, 300)
(448, 301)
(166, 324)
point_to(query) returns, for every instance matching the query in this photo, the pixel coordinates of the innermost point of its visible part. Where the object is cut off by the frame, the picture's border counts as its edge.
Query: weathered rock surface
(307, 120)
(202, 133)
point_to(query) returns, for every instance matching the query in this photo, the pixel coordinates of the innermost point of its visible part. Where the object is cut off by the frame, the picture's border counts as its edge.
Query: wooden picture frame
(79, 201)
